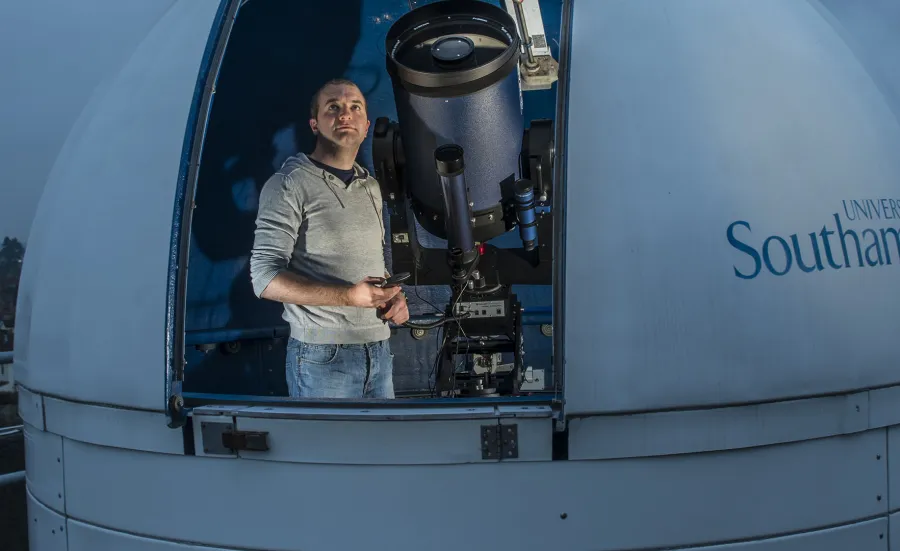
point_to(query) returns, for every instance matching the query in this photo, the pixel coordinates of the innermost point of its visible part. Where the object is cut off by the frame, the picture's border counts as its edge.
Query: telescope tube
(453, 67)
(451, 170)
(525, 213)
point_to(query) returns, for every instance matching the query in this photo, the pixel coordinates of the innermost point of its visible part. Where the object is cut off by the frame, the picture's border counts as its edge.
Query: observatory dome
(726, 247)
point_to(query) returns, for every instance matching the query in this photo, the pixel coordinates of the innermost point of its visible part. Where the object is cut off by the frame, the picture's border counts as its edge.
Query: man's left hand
(397, 310)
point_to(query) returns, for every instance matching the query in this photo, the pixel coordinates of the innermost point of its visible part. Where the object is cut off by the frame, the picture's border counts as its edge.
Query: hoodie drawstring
(372, 199)
(336, 196)
(365, 185)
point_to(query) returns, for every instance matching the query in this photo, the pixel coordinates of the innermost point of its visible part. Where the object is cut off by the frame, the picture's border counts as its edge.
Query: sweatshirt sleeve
(277, 223)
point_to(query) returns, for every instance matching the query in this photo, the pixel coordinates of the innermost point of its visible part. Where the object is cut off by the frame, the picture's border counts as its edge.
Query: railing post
(7, 380)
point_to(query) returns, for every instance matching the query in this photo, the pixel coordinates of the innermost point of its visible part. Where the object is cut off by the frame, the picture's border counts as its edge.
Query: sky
(53, 55)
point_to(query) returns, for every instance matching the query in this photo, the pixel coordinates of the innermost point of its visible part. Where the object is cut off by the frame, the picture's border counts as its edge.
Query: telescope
(460, 167)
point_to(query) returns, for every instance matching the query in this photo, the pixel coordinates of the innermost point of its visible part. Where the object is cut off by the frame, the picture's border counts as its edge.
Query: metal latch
(256, 441)
(499, 442)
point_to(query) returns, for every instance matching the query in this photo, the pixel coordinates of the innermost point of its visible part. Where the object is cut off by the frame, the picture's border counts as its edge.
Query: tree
(12, 251)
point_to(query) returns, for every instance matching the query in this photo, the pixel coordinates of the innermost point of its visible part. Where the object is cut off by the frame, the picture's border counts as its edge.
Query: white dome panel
(93, 294)
(697, 131)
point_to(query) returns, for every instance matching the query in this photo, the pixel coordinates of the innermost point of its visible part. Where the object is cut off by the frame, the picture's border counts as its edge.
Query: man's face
(342, 116)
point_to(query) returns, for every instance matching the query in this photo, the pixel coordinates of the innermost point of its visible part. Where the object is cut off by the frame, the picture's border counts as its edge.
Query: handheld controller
(394, 280)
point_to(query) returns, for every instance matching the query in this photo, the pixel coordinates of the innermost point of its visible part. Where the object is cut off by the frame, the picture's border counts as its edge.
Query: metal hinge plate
(240, 440)
(499, 442)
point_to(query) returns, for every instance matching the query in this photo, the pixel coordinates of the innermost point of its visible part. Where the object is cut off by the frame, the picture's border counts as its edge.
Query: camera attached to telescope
(460, 165)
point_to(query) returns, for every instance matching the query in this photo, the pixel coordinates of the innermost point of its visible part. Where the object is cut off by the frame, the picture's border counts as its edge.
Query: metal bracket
(537, 70)
(499, 442)
(256, 441)
(211, 434)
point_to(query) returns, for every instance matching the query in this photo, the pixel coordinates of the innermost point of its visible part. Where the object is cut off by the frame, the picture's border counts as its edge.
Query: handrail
(11, 430)
(12, 478)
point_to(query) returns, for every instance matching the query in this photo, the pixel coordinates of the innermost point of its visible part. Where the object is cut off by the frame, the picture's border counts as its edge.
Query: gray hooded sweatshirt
(314, 225)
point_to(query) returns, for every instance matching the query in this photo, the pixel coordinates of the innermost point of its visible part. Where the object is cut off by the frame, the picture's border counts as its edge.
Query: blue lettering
(787, 254)
(875, 245)
(887, 251)
(825, 233)
(847, 212)
(870, 204)
(799, 255)
(860, 210)
(843, 234)
(743, 247)
(872, 248)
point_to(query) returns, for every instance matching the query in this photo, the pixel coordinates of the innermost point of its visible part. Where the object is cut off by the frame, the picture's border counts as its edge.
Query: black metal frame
(511, 265)
(466, 337)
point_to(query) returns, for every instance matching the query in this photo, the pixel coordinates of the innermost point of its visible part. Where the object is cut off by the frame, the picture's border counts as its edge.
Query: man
(319, 250)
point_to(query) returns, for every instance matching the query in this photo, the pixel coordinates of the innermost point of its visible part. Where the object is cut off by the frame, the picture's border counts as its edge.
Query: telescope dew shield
(458, 223)
(453, 69)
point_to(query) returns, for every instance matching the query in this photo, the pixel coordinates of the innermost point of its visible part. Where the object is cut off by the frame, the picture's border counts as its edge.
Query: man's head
(338, 114)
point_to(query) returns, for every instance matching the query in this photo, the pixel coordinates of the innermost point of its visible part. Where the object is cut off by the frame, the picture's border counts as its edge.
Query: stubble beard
(332, 146)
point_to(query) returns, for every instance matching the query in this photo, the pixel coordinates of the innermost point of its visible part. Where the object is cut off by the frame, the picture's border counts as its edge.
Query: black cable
(434, 369)
(434, 324)
(416, 290)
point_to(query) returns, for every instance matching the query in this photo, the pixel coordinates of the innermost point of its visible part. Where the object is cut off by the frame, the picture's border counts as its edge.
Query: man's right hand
(366, 295)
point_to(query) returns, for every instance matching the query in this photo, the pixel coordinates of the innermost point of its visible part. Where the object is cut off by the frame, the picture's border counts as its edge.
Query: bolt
(391, 196)
(490, 216)
(564, 516)
(435, 217)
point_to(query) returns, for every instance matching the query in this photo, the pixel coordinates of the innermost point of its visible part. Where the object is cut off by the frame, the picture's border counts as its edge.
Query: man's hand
(366, 295)
(397, 310)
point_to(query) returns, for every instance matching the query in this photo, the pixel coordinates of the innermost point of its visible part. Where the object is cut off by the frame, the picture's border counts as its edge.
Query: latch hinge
(256, 441)
(499, 442)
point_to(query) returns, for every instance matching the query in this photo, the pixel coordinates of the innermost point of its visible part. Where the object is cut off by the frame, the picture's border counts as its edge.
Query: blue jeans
(340, 370)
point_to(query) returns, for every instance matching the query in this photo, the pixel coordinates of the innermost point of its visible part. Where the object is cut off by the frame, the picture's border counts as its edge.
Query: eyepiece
(449, 159)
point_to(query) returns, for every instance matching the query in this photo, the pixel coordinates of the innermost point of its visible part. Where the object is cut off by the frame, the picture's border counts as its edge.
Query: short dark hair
(314, 105)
